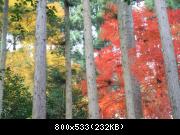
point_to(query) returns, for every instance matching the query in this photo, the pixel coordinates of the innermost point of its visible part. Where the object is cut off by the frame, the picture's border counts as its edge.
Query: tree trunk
(132, 89)
(3, 52)
(169, 57)
(39, 97)
(93, 106)
(14, 43)
(68, 62)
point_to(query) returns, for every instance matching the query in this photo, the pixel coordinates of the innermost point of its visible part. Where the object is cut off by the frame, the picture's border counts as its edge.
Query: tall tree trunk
(39, 97)
(3, 52)
(68, 62)
(93, 106)
(132, 89)
(169, 57)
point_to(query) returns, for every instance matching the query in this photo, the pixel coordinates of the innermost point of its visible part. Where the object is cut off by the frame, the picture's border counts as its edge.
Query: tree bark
(93, 106)
(132, 89)
(14, 43)
(68, 62)
(3, 52)
(39, 97)
(169, 57)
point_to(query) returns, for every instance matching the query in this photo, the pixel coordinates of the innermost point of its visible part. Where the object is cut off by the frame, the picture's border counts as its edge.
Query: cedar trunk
(3, 52)
(132, 89)
(39, 97)
(93, 106)
(169, 57)
(68, 62)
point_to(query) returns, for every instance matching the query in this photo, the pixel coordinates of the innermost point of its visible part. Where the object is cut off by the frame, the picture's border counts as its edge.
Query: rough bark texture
(169, 57)
(39, 97)
(132, 89)
(68, 62)
(3, 52)
(90, 66)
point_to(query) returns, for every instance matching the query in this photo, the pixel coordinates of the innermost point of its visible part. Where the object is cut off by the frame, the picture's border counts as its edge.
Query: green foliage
(131, 1)
(76, 18)
(76, 21)
(18, 10)
(128, 1)
(80, 105)
(78, 57)
(149, 3)
(17, 103)
(1, 5)
(55, 94)
(173, 3)
(56, 97)
(170, 3)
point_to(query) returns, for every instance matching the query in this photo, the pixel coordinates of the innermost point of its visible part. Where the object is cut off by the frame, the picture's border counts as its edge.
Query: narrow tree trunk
(90, 66)
(3, 52)
(39, 97)
(68, 62)
(169, 57)
(14, 43)
(132, 89)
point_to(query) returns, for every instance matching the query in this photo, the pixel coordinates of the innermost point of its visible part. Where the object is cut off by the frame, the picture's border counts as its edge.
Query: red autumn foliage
(148, 65)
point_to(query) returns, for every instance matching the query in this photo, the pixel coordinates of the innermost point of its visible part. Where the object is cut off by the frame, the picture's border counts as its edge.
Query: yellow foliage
(28, 23)
(56, 61)
(55, 5)
(12, 2)
(76, 67)
(22, 62)
(59, 10)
